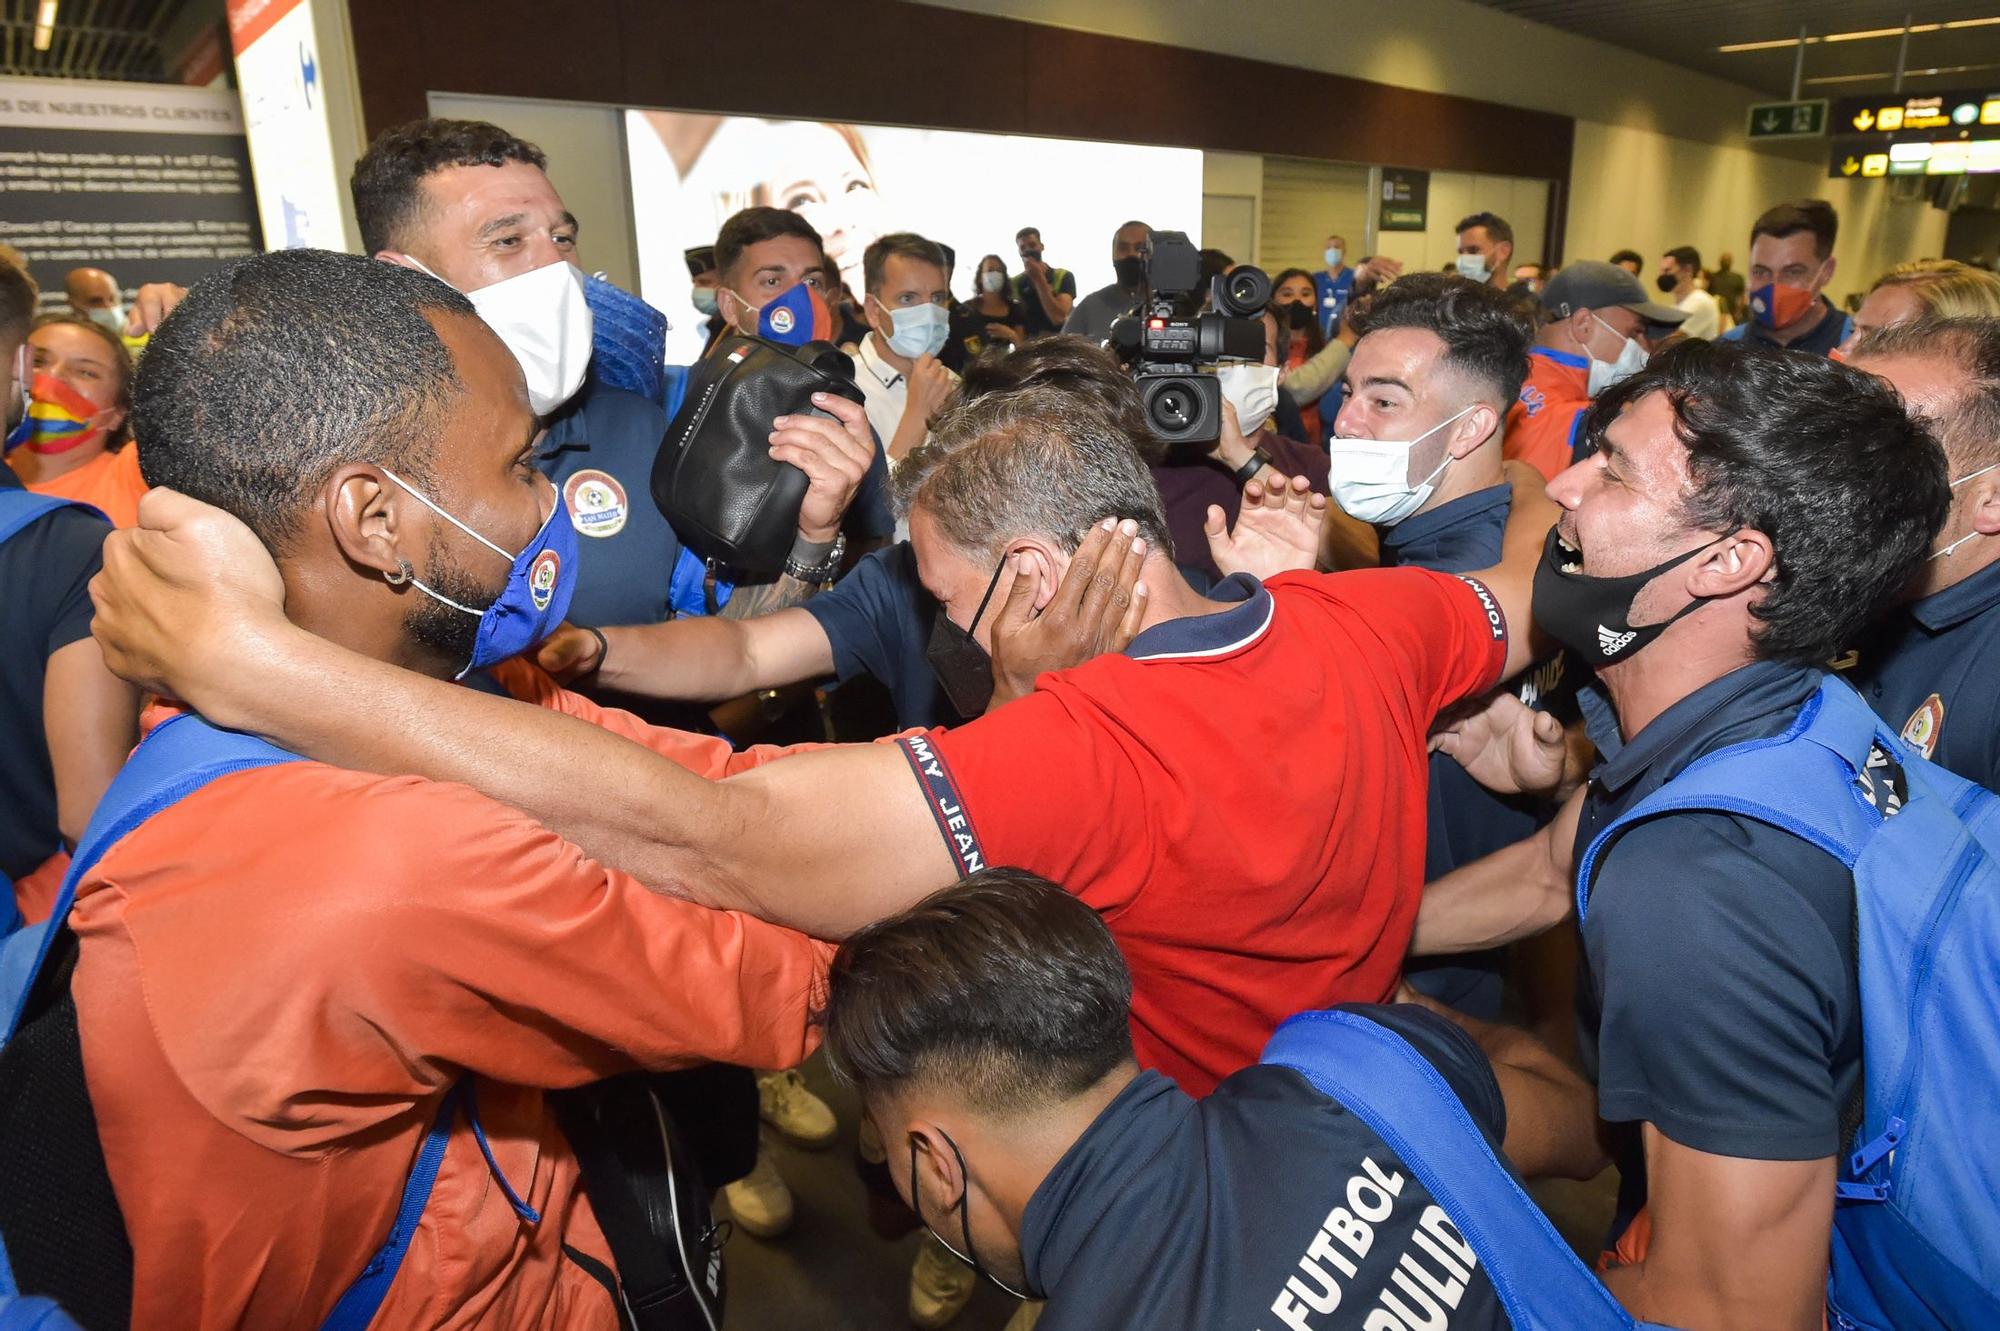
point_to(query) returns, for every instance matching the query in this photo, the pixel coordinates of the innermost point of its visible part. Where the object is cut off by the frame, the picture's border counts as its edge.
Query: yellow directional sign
(1851, 165)
(1889, 119)
(1864, 121)
(1875, 164)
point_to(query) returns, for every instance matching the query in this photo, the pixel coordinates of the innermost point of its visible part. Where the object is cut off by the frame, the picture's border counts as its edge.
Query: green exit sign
(1788, 120)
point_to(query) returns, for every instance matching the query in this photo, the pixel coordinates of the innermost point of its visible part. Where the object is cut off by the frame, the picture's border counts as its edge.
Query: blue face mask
(919, 330)
(1333, 256)
(538, 590)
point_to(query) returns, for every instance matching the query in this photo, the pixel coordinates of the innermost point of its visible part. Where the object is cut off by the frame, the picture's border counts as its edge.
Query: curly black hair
(1485, 335)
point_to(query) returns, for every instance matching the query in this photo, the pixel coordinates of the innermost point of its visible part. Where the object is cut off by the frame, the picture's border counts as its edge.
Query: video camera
(1171, 348)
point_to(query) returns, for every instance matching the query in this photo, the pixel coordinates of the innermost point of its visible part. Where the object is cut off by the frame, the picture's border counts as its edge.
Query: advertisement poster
(146, 181)
(301, 190)
(857, 182)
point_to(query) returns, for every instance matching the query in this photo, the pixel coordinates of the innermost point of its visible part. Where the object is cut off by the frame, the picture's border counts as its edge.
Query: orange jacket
(109, 482)
(280, 977)
(1542, 426)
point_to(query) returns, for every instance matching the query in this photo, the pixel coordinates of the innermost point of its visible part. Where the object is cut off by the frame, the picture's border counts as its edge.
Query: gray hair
(1969, 427)
(1040, 460)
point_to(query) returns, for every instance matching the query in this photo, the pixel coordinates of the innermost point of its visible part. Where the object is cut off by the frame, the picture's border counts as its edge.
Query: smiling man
(1742, 515)
(283, 977)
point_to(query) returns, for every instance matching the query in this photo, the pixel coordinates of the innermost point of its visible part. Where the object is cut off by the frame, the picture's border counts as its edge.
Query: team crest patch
(1532, 400)
(782, 320)
(596, 502)
(542, 578)
(1921, 731)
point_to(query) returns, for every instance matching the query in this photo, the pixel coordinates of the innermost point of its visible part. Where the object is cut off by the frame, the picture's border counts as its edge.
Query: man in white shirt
(908, 309)
(1678, 269)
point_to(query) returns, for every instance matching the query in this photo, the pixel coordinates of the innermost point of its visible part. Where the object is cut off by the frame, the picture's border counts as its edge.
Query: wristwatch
(821, 570)
(1259, 460)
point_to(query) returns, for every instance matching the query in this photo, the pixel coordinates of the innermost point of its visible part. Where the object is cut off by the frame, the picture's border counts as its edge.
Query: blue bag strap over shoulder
(179, 757)
(1375, 1075)
(19, 508)
(1812, 781)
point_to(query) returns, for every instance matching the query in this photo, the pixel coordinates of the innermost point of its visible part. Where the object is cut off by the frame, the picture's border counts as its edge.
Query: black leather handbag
(715, 480)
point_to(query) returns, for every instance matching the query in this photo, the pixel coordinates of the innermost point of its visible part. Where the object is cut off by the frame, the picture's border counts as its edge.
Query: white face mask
(1970, 475)
(1252, 389)
(918, 330)
(111, 319)
(992, 281)
(544, 320)
(1474, 267)
(1370, 478)
(1604, 374)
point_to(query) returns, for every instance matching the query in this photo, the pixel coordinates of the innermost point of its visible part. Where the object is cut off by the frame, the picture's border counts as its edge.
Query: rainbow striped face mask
(59, 417)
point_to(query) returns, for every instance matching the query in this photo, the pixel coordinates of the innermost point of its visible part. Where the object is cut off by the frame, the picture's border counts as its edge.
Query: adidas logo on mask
(1613, 643)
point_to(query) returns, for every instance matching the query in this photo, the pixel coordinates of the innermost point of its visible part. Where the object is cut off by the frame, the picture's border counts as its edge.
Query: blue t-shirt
(1720, 1001)
(878, 620)
(1333, 294)
(1467, 821)
(1175, 1212)
(1932, 671)
(46, 567)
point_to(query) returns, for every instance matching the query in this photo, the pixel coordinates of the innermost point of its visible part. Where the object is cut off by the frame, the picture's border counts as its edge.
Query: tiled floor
(831, 1273)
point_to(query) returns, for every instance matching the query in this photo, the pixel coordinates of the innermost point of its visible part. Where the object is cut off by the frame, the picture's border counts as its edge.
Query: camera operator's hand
(834, 455)
(1097, 609)
(1231, 449)
(1277, 530)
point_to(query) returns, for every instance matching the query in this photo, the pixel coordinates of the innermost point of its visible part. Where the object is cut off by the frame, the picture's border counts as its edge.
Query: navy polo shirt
(1720, 1001)
(1828, 334)
(878, 620)
(1175, 1212)
(46, 567)
(1467, 821)
(1932, 671)
(599, 450)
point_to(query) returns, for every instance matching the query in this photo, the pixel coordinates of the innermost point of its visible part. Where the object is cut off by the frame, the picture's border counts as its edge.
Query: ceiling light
(1860, 35)
(1885, 76)
(45, 25)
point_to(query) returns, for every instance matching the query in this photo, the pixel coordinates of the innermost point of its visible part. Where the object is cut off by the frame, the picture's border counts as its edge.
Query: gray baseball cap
(1588, 284)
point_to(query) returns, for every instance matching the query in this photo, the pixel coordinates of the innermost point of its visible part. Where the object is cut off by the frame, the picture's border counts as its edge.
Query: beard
(431, 623)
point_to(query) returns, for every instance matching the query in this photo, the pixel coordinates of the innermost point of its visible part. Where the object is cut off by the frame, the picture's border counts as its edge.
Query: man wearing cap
(1597, 328)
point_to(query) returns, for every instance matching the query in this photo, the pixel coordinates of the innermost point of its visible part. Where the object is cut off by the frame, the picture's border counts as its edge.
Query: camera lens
(1173, 409)
(1244, 291)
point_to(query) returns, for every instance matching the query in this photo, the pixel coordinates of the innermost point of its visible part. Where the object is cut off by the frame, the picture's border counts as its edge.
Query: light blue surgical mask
(1474, 267)
(919, 330)
(1333, 256)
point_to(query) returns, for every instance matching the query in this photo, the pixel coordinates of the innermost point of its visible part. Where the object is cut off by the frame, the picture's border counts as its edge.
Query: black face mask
(1298, 314)
(963, 668)
(968, 1256)
(1592, 616)
(1130, 272)
(1666, 281)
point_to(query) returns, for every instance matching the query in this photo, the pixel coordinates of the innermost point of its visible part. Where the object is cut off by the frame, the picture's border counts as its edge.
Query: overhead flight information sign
(1935, 134)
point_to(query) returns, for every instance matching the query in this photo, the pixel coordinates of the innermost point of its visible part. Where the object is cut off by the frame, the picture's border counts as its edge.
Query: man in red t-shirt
(1242, 792)
(1597, 327)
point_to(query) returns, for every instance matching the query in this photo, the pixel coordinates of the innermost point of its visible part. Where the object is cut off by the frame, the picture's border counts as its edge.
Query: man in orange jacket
(281, 976)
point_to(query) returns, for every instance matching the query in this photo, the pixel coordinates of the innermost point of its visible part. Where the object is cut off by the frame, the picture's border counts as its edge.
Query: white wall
(586, 150)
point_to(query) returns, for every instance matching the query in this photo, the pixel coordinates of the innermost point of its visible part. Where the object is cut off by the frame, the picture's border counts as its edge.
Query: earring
(402, 574)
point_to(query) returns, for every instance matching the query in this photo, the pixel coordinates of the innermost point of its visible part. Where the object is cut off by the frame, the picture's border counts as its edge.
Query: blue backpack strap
(1808, 781)
(20, 508)
(358, 1306)
(1375, 1075)
(178, 758)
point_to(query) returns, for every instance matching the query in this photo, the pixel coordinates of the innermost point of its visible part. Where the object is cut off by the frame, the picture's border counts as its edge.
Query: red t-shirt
(1542, 425)
(1241, 796)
